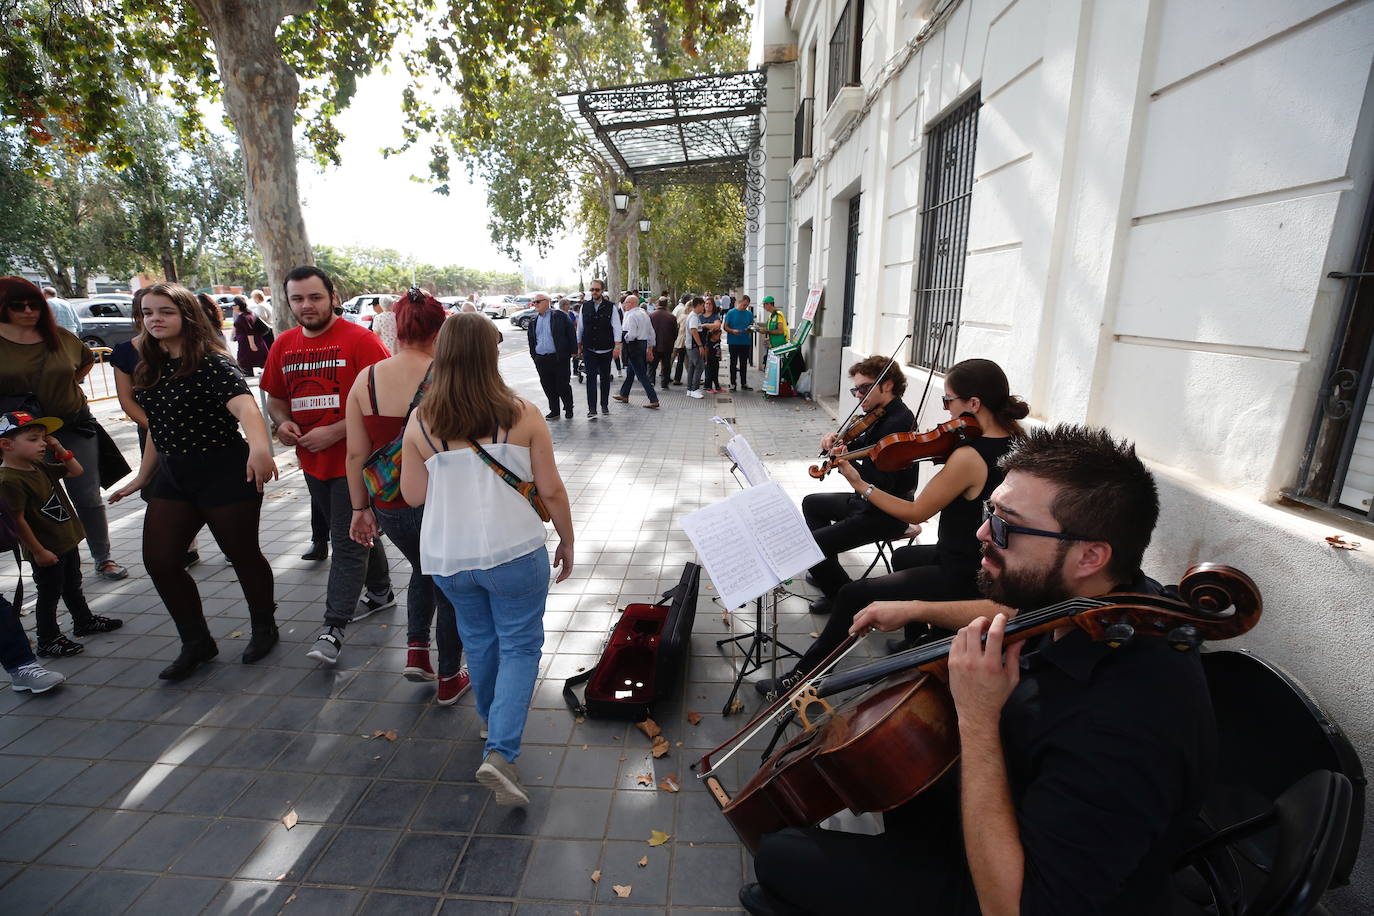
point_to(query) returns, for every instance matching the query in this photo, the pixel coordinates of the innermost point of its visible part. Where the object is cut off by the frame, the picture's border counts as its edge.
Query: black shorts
(215, 478)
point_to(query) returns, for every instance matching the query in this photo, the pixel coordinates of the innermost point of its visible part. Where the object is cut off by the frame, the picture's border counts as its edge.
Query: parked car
(524, 318)
(359, 309)
(104, 322)
(496, 306)
(65, 315)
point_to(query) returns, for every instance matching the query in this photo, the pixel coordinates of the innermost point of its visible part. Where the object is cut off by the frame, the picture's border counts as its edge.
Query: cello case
(643, 659)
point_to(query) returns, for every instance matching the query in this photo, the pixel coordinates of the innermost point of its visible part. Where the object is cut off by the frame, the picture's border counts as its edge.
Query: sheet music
(743, 454)
(751, 541)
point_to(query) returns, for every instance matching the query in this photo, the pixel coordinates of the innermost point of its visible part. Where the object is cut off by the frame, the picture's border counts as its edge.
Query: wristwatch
(864, 495)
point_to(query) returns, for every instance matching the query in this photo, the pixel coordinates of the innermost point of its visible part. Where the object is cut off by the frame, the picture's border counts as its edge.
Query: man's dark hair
(873, 367)
(305, 272)
(1105, 492)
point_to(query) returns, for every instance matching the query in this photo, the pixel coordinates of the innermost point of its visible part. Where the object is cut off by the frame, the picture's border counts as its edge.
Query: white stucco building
(1133, 206)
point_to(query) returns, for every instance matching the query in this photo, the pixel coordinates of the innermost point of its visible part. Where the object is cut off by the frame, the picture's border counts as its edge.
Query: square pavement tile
(34, 889)
(421, 862)
(492, 866)
(354, 858)
(158, 843)
(103, 892)
(176, 895)
(562, 870)
(94, 838)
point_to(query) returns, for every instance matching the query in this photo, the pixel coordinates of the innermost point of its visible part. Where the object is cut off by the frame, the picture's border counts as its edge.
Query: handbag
(525, 488)
(382, 470)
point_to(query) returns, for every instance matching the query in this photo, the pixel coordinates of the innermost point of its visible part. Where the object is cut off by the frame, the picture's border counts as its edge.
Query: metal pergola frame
(696, 129)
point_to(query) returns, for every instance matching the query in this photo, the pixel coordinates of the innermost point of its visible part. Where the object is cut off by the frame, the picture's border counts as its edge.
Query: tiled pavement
(119, 793)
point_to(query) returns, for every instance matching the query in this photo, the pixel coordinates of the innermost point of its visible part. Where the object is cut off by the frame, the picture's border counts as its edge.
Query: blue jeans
(402, 528)
(635, 352)
(15, 651)
(501, 619)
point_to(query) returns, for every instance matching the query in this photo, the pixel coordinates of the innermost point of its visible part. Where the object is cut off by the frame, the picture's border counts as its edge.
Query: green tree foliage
(358, 270)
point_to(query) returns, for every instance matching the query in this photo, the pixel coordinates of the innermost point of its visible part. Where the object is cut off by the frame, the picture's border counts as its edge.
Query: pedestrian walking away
(249, 334)
(553, 340)
(683, 309)
(379, 404)
(639, 340)
(471, 449)
(665, 340)
(41, 368)
(197, 470)
(598, 340)
(309, 372)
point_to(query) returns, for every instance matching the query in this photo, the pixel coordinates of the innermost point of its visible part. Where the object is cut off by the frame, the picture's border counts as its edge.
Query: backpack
(382, 470)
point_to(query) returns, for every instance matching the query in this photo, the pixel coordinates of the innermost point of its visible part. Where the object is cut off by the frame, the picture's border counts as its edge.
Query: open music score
(751, 541)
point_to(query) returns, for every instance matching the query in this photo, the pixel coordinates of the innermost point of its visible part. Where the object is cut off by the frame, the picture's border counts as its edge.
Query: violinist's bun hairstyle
(985, 380)
(873, 367)
(1105, 493)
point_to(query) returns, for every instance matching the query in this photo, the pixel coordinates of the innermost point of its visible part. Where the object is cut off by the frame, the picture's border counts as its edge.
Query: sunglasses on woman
(999, 528)
(25, 307)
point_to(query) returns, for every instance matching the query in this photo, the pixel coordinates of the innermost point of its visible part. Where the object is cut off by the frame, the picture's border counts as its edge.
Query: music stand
(753, 655)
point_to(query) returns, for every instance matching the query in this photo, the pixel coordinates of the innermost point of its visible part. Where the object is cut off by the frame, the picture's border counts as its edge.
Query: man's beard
(1025, 589)
(319, 321)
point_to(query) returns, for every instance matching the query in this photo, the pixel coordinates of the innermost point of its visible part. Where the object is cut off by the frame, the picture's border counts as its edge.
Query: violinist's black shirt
(896, 418)
(1109, 754)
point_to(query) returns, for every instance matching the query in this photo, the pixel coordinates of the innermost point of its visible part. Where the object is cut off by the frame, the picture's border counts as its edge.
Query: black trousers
(840, 522)
(739, 361)
(679, 360)
(556, 381)
(664, 364)
(917, 576)
(598, 369)
(60, 581)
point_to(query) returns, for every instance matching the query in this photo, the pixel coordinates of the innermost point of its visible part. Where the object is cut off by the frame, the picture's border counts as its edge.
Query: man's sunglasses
(999, 528)
(861, 391)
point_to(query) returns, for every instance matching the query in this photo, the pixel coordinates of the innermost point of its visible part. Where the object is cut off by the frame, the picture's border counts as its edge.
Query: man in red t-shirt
(309, 372)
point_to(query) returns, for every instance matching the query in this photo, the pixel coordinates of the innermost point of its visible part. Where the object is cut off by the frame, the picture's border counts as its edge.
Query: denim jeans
(696, 364)
(15, 651)
(352, 565)
(402, 527)
(61, 581)
(635, 352)
(85, 492)
(501, 619)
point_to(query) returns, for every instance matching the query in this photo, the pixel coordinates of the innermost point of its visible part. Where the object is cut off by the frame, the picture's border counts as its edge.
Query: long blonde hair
(467, 397)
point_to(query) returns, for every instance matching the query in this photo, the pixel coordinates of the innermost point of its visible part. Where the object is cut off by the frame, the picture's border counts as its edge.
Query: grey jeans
(352, 564)
(696, 365)
(85, 493)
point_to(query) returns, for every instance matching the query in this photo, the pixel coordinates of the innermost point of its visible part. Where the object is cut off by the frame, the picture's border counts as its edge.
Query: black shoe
(96, 624)
(732, 387)
(606, 409)
(551, 415)
(261, 642)
(745, 388)
(317, 551)
(758, 902)
(189, 660)
(59, 647)
(811, 581)
(822, 605)
(192, 558)
(591, 415)
(774, 687)
(568, 413)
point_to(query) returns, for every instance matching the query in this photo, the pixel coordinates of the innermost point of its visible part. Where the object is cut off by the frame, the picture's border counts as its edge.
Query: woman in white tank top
(481, 540)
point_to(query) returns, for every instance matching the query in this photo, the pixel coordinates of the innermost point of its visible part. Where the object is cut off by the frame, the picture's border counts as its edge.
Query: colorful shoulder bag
(382, 470)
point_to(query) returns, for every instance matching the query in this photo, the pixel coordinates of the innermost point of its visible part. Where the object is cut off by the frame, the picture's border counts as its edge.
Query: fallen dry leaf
(660, 746)
(281, 877)
(643, 863)
(694, 717)
(710, 588)
(649, 727)
(580, 719)
(644, 779)
(289, 899)
(291, 819)
(596, 876)
(387, 734)
(1341, 543)
(670, 784)
(657, 837)
(737, 706)
(814, 635)
(236, 634)
(622, 890)
(679, 744)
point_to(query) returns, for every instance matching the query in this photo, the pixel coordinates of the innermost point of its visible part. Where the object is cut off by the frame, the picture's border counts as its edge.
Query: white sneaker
(34, 678)
(498, 775)
(695, 393)
(327, 646)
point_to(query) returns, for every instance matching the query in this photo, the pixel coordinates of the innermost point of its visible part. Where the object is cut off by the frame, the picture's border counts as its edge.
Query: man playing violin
(844, 521)
(1082, 766)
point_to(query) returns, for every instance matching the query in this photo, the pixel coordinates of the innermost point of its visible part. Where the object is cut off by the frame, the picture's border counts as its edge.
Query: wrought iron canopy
(694, 129)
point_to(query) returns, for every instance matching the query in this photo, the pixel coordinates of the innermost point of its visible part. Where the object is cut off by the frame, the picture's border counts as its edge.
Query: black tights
(169, 526)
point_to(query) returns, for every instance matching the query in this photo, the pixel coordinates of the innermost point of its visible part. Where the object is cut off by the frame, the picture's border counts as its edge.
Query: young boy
(48, 527)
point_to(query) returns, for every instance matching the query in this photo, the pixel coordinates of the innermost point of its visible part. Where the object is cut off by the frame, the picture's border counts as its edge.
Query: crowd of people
(1081, 765)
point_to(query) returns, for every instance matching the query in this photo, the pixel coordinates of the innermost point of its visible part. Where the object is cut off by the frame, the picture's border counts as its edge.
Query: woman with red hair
(376, 413)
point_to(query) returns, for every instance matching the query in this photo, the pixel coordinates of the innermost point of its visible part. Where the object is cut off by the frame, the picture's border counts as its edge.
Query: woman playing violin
(944, 571)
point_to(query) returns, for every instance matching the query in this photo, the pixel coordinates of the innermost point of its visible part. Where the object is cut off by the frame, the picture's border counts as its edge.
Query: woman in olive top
(40, 359)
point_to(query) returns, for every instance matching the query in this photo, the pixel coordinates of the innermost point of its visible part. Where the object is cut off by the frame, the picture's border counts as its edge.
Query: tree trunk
(632, 255)
(654, 286)
(260, 95)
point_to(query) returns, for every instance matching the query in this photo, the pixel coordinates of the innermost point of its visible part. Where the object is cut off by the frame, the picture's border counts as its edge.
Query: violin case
(642, 662)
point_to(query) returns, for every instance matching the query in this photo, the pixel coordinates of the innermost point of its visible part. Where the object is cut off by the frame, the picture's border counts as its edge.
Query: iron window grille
(946, 200)
(846, 50)
(801, 130)
(851, 271)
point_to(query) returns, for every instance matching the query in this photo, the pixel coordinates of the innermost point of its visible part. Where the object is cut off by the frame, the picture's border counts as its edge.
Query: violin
(891, 742)
(901, 450)
(857, 426)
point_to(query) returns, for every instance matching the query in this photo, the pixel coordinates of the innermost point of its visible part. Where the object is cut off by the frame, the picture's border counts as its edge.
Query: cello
(889, 743)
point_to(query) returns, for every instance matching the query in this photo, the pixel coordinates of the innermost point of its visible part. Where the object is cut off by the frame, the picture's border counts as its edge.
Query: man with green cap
(775, 326)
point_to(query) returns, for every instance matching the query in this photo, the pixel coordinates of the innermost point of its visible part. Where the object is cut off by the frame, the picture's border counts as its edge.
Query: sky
(370, 200)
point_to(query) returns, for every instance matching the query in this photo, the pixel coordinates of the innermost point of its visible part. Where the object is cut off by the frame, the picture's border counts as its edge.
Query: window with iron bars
(846, 50)
(945, 204)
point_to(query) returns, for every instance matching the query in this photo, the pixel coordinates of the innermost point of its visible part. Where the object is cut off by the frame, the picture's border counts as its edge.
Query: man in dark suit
(665, 335)
(552, 344)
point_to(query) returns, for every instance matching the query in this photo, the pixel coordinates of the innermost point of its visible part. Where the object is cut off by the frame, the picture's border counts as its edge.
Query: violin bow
(937, 333)
(891, 361)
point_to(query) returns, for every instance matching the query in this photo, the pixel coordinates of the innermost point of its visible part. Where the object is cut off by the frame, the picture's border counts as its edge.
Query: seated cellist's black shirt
(1109, 753)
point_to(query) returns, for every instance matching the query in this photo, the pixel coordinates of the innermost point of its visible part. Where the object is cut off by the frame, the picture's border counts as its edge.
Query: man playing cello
(1081, 765)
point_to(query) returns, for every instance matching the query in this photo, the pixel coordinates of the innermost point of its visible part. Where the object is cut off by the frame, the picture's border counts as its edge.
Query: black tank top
(961, 519)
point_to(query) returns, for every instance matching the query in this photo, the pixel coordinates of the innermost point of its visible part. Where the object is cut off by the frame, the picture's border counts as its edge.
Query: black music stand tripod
(757, 640)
